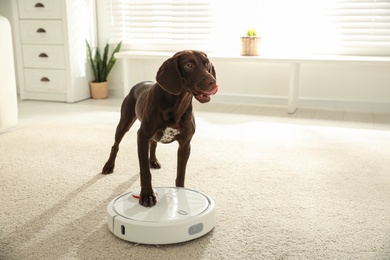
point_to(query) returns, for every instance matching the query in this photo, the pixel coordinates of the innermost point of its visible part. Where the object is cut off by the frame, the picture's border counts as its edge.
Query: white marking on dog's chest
(169, 135)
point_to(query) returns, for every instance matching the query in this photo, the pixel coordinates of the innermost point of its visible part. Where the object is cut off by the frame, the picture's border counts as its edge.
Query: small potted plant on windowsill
(101, 67)
(250, 43)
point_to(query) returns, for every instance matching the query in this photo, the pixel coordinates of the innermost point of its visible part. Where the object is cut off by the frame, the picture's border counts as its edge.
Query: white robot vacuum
(180, 215)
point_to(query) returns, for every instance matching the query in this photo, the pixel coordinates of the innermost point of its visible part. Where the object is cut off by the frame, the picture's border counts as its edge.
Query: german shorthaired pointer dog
(165, 111)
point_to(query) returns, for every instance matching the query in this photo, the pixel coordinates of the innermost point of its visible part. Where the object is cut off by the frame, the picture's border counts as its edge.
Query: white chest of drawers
(50, 48)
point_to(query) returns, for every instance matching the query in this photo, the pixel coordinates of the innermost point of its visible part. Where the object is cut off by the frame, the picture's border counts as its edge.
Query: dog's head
(188, 70)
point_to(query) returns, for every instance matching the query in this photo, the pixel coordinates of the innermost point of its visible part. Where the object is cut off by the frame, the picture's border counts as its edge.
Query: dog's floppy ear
(169, 77)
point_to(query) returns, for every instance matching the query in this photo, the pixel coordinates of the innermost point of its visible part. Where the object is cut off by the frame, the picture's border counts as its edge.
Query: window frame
(337, 34)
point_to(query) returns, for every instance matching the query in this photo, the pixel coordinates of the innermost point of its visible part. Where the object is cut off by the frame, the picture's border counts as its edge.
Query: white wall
(5, 9)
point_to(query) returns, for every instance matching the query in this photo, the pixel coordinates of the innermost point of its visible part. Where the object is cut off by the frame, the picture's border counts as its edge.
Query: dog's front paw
(147, 198)
(155, 164)
(108, 168)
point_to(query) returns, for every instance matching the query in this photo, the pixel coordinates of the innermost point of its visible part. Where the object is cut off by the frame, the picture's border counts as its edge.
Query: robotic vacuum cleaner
(180, 215)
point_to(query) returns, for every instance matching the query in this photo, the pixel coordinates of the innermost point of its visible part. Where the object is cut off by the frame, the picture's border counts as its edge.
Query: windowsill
(264, 58)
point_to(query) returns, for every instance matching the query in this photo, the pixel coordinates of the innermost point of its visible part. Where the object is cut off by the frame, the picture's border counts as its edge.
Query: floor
(30, 111)
(317, 183)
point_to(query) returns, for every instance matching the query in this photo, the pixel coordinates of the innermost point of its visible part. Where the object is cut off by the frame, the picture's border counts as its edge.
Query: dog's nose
(210, 82)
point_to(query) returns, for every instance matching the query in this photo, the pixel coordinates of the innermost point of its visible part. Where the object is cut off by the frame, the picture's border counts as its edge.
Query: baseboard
(328, 104)
(346, 105)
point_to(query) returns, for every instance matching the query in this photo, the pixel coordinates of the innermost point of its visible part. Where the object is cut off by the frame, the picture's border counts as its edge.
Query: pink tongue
(216, 89)
(208, 94)
(213, 91)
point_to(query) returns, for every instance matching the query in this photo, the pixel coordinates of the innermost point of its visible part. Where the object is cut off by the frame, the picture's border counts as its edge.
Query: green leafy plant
(101, 65)
(251, 32)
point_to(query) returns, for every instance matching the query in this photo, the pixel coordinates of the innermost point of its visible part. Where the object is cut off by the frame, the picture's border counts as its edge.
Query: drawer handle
(39, 5)
(44, 79)
(43, 55)
(41, 30)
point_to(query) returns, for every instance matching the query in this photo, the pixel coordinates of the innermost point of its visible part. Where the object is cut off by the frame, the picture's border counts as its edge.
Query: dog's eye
(189, 65)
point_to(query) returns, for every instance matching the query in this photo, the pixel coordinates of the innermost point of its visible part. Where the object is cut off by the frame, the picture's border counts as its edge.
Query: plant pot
(99, 90)
(250, 46)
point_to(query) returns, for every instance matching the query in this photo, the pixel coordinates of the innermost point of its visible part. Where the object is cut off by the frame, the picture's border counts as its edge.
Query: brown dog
(165, 111)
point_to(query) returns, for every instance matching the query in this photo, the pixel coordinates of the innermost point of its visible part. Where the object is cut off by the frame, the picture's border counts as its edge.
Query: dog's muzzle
(204, 96)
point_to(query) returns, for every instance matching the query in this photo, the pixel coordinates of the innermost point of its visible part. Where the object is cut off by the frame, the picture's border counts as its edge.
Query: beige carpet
(282, 190)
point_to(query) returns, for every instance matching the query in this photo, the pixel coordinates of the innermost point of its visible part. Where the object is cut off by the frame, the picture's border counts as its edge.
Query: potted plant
(101, 67)
(250, 43)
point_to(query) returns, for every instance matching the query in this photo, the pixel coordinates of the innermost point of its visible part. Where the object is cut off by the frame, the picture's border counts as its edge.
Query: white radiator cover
(8, 94)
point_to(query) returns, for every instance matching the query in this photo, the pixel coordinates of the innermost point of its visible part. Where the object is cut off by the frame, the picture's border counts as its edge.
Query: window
(363, 26)
(352, 27)
(161, 25)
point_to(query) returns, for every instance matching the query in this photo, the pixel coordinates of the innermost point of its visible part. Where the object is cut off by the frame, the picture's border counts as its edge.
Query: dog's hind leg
(153, 162)
(127, 119)
(122, 128)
